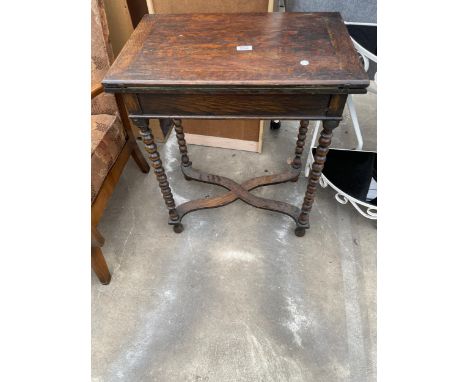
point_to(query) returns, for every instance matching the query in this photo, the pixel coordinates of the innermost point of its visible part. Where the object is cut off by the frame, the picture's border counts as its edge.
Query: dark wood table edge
(229, 88)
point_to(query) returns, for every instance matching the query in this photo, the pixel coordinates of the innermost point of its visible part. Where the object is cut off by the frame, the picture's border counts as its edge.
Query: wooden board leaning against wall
(236, 134)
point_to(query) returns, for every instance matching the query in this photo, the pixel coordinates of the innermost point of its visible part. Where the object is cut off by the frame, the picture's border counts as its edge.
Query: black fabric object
(166, 124)
(275, 125)
(364, 35)
(351, 171)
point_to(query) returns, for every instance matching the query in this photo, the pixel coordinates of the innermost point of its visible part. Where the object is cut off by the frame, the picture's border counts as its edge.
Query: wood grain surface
(235, 134)
(201, 49)
(253, 105)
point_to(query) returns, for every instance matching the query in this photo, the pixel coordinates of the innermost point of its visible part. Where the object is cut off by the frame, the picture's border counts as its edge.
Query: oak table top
(248, 49)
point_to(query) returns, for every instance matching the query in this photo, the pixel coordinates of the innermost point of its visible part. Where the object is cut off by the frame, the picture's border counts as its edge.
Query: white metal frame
(369, 211)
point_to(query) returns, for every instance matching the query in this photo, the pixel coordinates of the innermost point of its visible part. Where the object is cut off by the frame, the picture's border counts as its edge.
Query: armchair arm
(96, 90)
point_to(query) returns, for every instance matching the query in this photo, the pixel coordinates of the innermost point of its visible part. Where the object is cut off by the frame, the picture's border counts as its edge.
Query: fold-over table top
(243, 49)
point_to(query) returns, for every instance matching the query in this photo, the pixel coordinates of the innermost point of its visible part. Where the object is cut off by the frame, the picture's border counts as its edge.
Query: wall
(120, 23)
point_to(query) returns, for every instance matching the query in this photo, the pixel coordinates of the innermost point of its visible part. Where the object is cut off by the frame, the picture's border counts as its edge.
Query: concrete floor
(236, 296)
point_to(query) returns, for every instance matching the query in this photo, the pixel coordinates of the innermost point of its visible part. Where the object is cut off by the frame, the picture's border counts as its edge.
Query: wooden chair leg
(137, 155)
(140, 160)
(99, 265)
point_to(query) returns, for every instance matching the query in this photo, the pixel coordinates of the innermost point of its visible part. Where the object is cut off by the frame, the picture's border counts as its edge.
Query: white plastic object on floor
(372, 193)
(354, 119)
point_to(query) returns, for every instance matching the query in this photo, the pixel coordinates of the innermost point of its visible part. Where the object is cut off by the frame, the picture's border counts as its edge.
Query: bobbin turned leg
(314, 176)
(182, 144)
(301, 137)
(152, 150)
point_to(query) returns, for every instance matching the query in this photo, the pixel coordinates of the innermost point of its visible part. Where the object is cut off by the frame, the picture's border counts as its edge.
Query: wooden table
(298, 66)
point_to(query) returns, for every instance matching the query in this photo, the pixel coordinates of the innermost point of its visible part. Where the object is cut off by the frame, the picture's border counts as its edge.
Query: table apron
(238, 106)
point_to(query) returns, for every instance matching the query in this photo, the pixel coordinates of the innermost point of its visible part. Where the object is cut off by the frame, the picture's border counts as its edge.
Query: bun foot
(178, 228)
(299, 231)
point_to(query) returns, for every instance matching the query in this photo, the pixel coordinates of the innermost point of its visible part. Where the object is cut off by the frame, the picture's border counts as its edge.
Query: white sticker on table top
(304, 62)
(244, 47)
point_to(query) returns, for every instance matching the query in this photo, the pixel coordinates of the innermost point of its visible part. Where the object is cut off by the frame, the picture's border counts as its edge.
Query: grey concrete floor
(237, 296)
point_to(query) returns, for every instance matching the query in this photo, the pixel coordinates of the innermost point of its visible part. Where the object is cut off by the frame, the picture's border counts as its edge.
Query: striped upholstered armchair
(112, 140)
